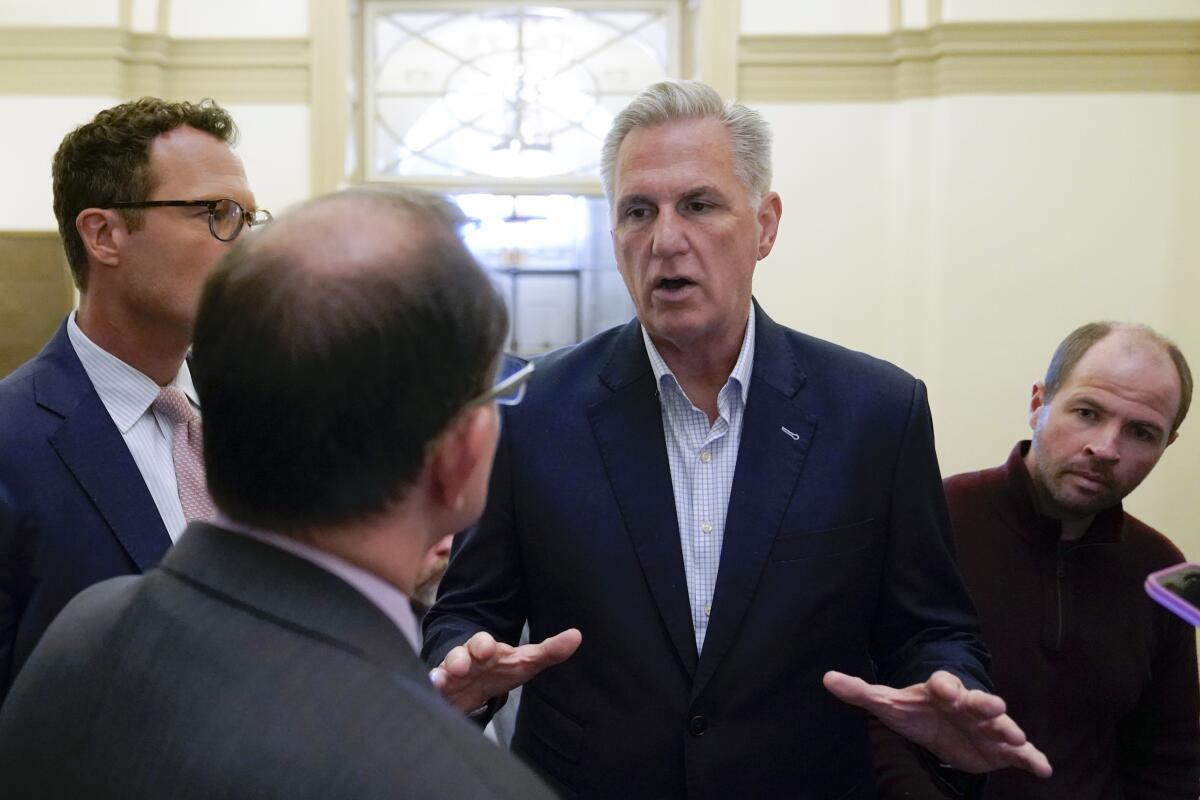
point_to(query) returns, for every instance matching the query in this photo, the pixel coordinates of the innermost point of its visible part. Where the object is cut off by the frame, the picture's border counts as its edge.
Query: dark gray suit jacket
(237, 670)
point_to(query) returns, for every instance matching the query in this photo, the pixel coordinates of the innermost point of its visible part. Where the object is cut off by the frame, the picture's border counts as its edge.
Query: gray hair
(671, 101)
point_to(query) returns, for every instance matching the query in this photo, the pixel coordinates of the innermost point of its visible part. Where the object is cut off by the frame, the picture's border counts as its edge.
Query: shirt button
(705, 456)
(706, 527)
(707, 611)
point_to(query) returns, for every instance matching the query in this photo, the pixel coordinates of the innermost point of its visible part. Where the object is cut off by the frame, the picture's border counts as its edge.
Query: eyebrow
(690, 194)
(1144, 423)
(633, 200)
(701, 190)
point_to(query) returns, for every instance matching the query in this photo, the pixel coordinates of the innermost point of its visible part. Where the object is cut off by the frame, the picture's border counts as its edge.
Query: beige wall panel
(833, 166)
(35, 293)
(972, 59)
(815, 16)
(1041, 10)
(101, 13)
(231, 19)
(963, 237)
(110, 62)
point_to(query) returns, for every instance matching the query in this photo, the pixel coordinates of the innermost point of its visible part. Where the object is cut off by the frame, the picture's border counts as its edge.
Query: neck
(390, 547)
(702, 371)
(1075, 527)
(155, 351)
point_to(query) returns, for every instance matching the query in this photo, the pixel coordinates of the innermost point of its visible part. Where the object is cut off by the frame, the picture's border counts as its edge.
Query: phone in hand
(1178, 589)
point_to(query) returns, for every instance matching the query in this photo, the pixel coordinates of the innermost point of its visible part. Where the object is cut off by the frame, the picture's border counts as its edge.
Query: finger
(969, 705)
(852, 690)
(558, 648)
(1029, 758)
(482, 649)
(984, 705)
(1003, 729)
(456, 664)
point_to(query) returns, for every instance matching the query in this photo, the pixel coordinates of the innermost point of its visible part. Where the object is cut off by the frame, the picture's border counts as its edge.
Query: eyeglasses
(509, 388)
(225, 217)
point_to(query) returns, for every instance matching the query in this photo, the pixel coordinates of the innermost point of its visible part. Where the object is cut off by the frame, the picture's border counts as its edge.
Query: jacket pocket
(552, 727)
(827, 542)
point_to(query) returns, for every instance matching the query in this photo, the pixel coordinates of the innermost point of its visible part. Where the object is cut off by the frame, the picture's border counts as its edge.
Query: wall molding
(108, 62)
(972, 58)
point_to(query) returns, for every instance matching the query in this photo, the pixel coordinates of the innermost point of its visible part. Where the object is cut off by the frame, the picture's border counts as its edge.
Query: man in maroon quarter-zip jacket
(1099, 676)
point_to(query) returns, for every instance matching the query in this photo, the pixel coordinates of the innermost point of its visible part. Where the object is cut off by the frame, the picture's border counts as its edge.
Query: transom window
(459, 92)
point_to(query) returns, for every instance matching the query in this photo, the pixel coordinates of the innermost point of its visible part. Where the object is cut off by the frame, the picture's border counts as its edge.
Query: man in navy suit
(722, 528)
(148, 196)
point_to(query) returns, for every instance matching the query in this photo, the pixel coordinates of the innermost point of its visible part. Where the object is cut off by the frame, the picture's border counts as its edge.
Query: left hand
(966, 728)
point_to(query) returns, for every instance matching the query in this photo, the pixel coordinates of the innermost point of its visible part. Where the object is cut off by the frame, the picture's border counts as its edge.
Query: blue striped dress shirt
(127, 394)
(702, 458)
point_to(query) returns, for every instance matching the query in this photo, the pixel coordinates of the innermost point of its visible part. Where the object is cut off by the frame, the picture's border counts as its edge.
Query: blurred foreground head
(333, 354)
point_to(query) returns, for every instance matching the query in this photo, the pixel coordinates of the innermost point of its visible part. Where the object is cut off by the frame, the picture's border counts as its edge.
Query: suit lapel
(93, 450)
(628, 428)
(769, 463)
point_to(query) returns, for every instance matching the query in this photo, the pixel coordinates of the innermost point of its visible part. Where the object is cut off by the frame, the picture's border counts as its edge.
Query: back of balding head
(332, 348)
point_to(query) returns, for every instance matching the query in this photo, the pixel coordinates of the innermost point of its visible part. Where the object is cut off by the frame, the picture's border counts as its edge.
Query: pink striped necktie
(187, 453)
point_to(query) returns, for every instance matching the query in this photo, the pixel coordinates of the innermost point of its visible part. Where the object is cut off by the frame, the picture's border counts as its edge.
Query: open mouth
(674, 284)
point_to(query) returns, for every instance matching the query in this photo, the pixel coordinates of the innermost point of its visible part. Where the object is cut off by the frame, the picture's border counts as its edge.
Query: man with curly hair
(99, 432)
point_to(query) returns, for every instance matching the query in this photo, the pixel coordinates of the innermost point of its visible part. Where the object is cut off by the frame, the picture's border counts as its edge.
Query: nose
(1104, 445)
(669, 236)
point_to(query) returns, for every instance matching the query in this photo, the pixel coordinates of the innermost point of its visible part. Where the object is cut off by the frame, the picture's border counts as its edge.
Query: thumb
(559, 647)
(842, 686)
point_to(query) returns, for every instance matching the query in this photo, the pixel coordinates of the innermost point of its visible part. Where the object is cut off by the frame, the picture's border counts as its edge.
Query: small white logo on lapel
(795, 436)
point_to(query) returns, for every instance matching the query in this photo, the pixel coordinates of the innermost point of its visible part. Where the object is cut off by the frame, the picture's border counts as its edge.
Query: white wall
(230, 19)
(274, 147)
(963, 237)
(35, 127)
(815, 16)
(77, 13)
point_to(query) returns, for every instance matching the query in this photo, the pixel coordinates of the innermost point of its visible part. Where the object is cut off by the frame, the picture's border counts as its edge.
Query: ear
(1037, 402)
(770, 209)
(466, 446)
(101, 230)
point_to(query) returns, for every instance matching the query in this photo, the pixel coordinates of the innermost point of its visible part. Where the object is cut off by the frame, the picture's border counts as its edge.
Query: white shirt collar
(741, 369)
(125, 391)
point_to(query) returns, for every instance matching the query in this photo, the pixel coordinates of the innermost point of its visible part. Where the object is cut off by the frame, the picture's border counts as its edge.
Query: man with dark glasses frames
(99, 434)
(273, 655)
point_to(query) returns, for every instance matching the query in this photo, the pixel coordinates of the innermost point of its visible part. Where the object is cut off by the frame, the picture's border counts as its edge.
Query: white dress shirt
(702, 458)
(127, 394)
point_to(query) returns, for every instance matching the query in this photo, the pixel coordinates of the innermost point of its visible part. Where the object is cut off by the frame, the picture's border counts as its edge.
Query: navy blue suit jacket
(836, 555)
(81, 508)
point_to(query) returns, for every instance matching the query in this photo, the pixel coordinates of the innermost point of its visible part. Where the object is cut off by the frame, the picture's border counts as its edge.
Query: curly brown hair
(107, 161)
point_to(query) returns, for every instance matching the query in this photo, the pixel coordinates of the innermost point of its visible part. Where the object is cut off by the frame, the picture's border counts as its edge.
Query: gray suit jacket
(237, 670)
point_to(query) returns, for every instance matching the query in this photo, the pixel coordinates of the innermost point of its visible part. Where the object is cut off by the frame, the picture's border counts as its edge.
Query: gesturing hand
(965, 728)
(482, 668)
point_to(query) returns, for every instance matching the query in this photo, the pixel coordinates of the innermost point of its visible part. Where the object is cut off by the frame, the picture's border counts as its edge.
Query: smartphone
(1178, 589)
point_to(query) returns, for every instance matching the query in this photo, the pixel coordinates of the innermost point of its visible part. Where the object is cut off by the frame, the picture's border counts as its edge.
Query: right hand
(473, 673)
